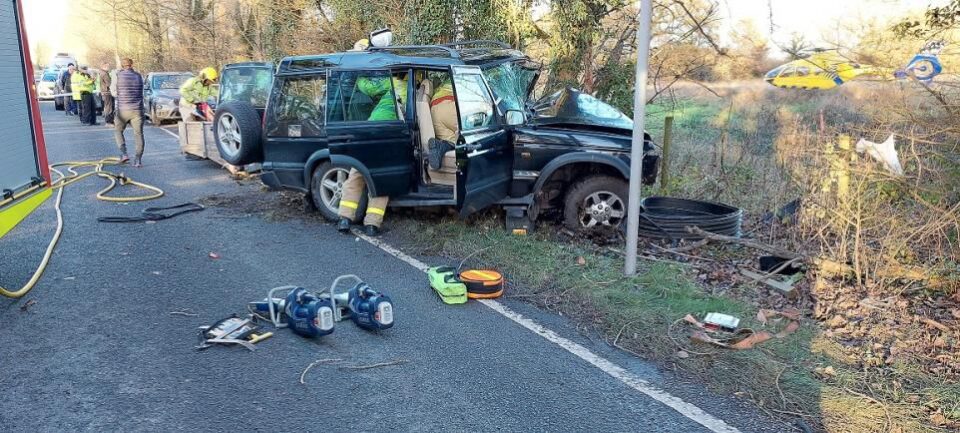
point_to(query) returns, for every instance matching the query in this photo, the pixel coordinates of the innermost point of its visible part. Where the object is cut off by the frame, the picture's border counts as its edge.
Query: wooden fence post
(665, 158)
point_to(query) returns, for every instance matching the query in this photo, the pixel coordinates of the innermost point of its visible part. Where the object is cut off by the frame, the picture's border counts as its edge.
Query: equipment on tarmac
(483, 284)
(368, 308)
(231, 330)
(445, 282)
(305, 313)
(74, 176)
(154, 214)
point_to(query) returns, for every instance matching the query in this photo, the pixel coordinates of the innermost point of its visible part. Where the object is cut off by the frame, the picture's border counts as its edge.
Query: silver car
(161, 95)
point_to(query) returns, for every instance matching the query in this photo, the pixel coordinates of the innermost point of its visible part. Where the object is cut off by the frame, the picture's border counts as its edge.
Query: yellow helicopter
(827, 68)
(824, 69)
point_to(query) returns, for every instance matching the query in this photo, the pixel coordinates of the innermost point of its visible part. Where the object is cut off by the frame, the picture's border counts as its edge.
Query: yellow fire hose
(74, 176)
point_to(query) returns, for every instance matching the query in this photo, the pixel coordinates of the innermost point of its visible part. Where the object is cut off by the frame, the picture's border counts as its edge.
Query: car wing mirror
(515, 117)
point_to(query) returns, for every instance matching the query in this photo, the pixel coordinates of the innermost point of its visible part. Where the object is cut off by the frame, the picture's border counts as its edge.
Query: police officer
(82, 85)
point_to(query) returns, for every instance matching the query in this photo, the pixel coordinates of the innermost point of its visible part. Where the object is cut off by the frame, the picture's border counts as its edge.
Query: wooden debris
(785, 288)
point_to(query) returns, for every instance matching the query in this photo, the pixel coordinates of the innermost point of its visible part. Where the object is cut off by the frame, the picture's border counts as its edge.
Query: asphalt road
(99, 349)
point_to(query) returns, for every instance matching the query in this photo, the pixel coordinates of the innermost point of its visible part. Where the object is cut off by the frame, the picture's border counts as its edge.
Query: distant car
(161, 95)
(47, 85)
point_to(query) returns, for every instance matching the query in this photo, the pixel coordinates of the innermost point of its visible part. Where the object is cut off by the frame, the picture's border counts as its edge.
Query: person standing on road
(129, 97)
(83, 85)
(105, 83)
(66, 87)
(196, 91)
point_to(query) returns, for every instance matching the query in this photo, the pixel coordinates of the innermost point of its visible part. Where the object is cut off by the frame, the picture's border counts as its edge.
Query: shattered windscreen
(511, 82)
(572, 106)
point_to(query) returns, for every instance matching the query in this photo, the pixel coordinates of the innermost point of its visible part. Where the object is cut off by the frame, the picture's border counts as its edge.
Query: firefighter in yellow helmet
(197, 91)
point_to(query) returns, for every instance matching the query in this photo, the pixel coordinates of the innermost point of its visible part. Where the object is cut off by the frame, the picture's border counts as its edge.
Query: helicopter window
(774, 73)
(803, 71)
(789, 72)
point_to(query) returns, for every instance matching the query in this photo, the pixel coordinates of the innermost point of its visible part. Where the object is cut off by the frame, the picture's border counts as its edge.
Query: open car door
(366, 128)
(484, 156)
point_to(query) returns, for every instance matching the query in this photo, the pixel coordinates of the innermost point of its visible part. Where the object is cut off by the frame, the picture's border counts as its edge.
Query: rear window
(49, 76)
(246, 84)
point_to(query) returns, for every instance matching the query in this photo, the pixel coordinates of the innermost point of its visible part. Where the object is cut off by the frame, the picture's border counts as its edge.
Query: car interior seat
(447, 174)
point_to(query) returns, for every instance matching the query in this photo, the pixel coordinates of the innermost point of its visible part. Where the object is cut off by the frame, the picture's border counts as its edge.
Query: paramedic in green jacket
(382, 90)
(197, 90)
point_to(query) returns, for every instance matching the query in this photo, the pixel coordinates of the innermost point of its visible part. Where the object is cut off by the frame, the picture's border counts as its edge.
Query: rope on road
(73, 176)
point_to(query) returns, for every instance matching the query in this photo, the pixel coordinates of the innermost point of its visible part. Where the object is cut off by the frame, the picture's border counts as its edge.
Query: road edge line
(688, 410)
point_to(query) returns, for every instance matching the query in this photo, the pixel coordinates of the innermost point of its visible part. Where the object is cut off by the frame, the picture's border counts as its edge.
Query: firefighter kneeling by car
(194, 94)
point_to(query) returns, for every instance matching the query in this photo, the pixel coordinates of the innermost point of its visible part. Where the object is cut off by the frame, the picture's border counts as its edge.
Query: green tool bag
(445, 282)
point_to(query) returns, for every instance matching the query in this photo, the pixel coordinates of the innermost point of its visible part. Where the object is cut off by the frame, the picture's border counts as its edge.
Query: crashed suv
(566, 154)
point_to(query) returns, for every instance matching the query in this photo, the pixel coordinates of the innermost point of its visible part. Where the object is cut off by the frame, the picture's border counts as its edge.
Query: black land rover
(566, 153)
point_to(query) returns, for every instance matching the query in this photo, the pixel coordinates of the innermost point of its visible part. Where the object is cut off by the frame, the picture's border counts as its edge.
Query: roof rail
(478, 42)
(452, 52)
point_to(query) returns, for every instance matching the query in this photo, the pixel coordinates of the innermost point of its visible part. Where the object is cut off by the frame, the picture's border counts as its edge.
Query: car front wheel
(596, 202)
(326, 188)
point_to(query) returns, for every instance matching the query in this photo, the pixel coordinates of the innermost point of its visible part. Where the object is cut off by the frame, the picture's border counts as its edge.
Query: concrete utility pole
(636, 152)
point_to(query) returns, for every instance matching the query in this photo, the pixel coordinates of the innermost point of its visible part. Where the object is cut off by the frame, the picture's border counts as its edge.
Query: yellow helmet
(209, 74)
(361, 45)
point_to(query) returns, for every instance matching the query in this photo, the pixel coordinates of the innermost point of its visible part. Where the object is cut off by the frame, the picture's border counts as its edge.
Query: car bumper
(167, 112)
(45, 94)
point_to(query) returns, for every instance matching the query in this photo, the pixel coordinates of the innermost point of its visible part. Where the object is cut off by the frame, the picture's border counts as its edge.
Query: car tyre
(237, 131)
(326, 187)
(58, 103)
(596, 202)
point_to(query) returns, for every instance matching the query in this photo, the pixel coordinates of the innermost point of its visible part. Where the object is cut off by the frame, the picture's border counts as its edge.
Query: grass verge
(805, 376)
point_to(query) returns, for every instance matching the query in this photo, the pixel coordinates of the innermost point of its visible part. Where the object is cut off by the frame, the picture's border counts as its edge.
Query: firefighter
(82, 86)
(443, 110)
(383, 90)
(196, 91)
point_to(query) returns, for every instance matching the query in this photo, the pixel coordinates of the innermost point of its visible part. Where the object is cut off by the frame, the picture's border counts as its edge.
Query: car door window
(367, 96)
(298, 107)
(474, 102)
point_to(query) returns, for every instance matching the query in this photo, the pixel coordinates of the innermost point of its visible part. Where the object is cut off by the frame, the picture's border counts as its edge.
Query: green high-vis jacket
(194, 92)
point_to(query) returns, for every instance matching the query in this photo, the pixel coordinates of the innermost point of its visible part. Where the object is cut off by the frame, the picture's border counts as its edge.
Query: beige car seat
(447, 174)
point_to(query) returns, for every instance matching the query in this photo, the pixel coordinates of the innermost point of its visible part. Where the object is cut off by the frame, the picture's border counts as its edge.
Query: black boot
(371, 230)
(344, 225)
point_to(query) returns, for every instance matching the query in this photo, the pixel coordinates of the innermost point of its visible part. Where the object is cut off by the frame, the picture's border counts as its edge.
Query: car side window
(366, 96)
(474, 101)
(298, 107)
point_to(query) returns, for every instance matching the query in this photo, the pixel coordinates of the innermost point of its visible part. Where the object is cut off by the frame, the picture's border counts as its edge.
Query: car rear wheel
(236, 129)
(326, 188)
(596, 202)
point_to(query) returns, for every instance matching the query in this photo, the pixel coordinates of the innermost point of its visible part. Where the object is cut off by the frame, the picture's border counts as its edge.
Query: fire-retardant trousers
(353, 190)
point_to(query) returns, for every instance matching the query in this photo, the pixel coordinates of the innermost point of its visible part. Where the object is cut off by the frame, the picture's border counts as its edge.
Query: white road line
(167, 131)
(688, 410)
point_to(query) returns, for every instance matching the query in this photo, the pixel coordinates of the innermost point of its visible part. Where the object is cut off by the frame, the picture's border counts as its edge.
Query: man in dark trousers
(129, 99)
(105, 94)
(69, 107)
(82, 85)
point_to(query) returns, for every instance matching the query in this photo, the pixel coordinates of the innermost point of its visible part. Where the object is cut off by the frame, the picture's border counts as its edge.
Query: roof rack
(432, 48)
(478, 42)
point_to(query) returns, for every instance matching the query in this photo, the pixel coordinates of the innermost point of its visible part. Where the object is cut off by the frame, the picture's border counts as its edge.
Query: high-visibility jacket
(380, 88)
(80, 83)
(194, 92)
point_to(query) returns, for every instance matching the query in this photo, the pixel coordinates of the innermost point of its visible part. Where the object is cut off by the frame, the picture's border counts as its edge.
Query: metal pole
(636, 152)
